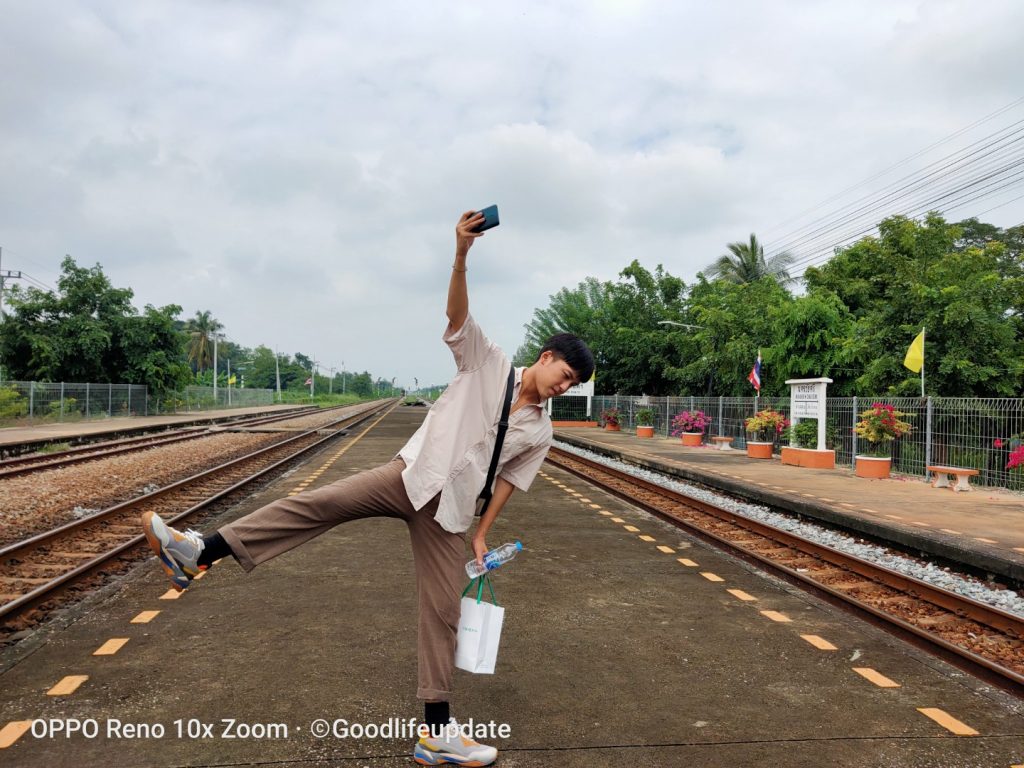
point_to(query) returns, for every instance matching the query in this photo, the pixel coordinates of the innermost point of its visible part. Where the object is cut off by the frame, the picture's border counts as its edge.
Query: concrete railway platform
(42, 434)
(983, 529)
(625, 643)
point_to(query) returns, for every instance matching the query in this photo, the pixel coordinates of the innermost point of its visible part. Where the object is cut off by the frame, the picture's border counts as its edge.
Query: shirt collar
(518, 386)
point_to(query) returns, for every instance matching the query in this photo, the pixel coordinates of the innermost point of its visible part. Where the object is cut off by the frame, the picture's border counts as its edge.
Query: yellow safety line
(145, 617)
(111, 647)
(666, 550)
(631, 528)
(741, 595)
(687, 562)
(13, 731)
(819, 642)
(776, 616)
(648, 539)
(876, 677)
(947, 721)
(711, 576)
(68, 685)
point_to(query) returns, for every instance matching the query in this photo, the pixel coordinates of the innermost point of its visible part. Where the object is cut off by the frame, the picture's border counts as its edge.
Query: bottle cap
(519, 545)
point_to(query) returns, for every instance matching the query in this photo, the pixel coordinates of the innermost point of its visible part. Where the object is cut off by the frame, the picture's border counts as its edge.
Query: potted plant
(802, 450)
(610, 418)
(879, 425)
(645, 422)
(763, 429)
(690, 426)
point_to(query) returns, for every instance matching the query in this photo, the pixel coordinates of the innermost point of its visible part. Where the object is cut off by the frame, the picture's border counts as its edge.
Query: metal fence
(36, 402)
(978, 433)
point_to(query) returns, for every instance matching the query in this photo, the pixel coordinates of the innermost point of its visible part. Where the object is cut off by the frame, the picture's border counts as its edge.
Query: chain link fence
(33, 402)
(978, 433)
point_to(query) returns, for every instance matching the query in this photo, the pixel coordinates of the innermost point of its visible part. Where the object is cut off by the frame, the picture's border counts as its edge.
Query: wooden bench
(723, 443)
(942, 474)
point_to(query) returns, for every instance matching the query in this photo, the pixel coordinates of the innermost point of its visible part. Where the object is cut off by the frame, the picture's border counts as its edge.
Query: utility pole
(5, 275)
(277, 373)
(312, 377)
(229, 382)
(330, 390)
(216, 337)
(343, 377)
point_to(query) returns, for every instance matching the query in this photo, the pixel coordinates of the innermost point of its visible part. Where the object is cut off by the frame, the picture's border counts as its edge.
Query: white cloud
(298, 168)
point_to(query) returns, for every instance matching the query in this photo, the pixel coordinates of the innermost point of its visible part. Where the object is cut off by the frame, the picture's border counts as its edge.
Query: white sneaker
(453, 747)
(178, 552)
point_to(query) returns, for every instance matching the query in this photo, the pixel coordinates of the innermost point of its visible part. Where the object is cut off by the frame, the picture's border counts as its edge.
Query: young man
(432, 484)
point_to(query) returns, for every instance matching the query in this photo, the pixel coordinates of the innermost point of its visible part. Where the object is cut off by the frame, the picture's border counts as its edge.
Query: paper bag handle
(480, 589)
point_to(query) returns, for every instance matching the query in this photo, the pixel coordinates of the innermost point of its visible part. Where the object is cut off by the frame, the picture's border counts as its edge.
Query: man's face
(554, 376)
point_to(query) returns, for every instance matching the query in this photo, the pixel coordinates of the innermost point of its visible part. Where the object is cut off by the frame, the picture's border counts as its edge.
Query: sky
(297, 168)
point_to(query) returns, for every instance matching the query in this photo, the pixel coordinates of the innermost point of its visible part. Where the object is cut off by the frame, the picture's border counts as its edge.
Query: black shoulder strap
(485, 494)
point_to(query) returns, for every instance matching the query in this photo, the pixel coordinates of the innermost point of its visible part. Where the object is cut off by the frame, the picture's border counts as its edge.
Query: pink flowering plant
(689, 421)
(766, 426)
(880, 425)
(611, 416)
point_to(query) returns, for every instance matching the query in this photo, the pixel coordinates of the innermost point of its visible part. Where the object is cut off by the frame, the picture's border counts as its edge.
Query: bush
(645, 417)
(12, 405)
(689, 421)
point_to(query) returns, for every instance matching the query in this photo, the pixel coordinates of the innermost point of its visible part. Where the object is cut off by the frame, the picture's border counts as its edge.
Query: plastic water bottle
(493, 559)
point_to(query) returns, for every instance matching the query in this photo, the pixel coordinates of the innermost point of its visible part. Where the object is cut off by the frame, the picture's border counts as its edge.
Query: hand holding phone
(490, 214)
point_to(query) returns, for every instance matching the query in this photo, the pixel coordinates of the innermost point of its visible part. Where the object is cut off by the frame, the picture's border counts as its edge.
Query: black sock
(214, 548)
(435, 715)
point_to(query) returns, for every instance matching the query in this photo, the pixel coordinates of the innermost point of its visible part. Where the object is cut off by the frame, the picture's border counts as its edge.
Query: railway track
(35, 573)
(983, 640)
(23, 465)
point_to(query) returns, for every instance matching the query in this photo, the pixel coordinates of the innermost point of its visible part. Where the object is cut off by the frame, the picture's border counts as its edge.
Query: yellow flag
(915, 355)
(232, 379)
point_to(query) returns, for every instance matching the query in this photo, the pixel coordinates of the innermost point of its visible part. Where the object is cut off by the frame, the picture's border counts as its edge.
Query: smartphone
(490, 218)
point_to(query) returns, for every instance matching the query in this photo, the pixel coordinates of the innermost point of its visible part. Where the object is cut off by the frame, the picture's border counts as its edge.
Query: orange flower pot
(612, 428)
(873, 467)
(645, 431)
(809, 457)
(692, 439)
(759, 450)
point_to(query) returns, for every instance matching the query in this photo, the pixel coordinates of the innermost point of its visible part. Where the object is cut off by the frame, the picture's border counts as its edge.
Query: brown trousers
(438, 555)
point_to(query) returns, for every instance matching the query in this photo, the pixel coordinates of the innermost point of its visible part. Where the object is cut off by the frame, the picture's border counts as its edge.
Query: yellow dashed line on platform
(985, 541)
(145, 617)
(648, 539)
(666, 550)
(199, 575)
(918, 522)
(111, 647)
(1018, 549)
(809, 495)
(595, 506)
(819, 642)
(871, 511)
(824, 499)
(631, 528)
(606, 513)
(711, 576)
(585, 501)
(687, 562)
(894, 517)
(947, 721)
(950, 530)
(739, 594)
(876, 677)
(171, 594)
(13, 731)
(776, 616)
(67, 686)
(618, 520)
(848, 506)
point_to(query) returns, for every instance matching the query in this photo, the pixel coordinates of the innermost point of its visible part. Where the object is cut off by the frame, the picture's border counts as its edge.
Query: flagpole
(922, 361)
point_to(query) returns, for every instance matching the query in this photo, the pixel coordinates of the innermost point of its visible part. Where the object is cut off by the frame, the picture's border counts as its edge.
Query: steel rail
(24, 465)
(962, 606)
(49, 589)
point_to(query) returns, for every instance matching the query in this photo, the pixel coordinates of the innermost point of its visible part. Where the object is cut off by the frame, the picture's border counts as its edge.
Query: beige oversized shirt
(451, 451)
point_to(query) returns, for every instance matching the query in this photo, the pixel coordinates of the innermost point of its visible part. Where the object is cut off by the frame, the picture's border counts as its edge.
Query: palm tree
(746, 263)
(200, 348)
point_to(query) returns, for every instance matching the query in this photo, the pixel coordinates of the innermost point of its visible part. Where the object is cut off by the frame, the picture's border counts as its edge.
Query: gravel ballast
(939, 576)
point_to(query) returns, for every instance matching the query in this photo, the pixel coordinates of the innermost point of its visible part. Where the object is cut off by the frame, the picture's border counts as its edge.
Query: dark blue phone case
(490, 218)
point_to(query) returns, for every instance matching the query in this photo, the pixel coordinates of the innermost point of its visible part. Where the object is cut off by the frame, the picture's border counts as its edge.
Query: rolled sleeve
(469, 345)
(520, 470)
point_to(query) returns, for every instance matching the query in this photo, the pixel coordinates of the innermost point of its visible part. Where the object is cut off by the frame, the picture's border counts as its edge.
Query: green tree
(200, 348)
(746, 263)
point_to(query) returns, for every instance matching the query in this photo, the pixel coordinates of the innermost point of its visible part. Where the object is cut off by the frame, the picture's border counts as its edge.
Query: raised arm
(458, 297)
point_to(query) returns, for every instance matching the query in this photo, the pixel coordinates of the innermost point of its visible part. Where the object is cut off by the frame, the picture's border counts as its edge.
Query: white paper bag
(479, 634)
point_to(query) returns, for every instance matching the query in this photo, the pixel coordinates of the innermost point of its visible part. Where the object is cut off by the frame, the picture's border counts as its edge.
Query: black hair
(574, 351)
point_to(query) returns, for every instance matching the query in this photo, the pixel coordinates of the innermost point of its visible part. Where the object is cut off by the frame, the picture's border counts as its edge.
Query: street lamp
(312, 376)
(216, 337)
(330, 385)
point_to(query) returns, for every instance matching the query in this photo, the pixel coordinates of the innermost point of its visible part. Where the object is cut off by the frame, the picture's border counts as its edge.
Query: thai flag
(755, 373)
